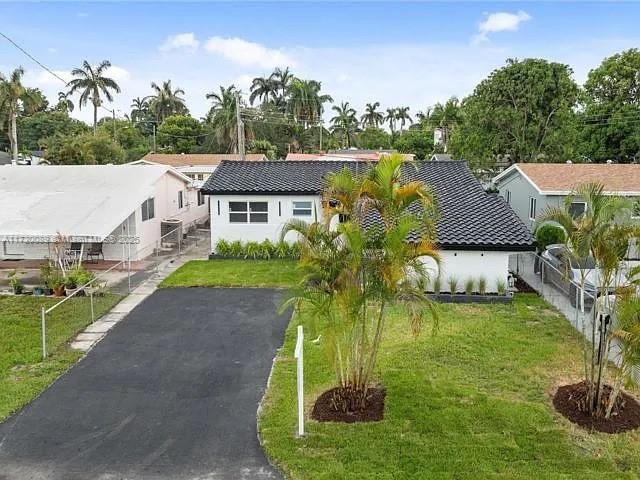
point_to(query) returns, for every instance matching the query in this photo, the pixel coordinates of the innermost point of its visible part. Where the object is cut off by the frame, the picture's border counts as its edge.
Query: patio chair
(72, 254)
(95, 252)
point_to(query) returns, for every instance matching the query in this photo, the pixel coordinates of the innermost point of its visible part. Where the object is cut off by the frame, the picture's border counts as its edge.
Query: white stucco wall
(280, 210)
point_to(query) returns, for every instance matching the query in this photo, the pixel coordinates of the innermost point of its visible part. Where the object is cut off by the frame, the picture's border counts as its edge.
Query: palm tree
(444, 117)
(14, 99)
(372, 117)
(305, 102)
(222, 117)
(264, 89)
(602, 232)
(402, 115)
(166, 101)
(351, 274)
(139, 109)
(391, 117)
(92, 83)
(65, 104)
(281, 80)
(345, 121)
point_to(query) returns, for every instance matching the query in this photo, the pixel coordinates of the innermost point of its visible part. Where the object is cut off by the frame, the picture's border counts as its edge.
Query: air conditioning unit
(170, 232)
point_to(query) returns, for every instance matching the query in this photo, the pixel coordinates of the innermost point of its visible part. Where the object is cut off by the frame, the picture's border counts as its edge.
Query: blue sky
(397, 53)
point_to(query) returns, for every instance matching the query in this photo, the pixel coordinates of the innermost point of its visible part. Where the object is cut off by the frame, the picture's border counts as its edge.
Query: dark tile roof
(469, 217)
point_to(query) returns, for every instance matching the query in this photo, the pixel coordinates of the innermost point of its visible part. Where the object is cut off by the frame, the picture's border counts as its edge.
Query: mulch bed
(625, 415)
(523, 286)
(323, 410)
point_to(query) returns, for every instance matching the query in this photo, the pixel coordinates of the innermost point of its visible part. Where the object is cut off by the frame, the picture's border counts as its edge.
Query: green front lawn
(234, 273)
(23, 373)
(473, 402)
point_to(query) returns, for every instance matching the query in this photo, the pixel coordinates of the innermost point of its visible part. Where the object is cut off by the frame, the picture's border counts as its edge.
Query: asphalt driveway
(171, 392)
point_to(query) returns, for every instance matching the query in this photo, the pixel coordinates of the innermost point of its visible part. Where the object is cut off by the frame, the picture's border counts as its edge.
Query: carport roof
(470, 218)
(80, 202)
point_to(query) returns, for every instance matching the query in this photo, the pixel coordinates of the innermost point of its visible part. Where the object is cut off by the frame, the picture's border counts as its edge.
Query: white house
(476, 231)
(117, 209)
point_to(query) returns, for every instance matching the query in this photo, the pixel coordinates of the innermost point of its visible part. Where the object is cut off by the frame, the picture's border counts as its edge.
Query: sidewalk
(86, 340)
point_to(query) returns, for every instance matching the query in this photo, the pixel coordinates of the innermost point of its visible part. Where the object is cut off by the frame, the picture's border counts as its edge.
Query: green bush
(252, 250)
(482, 285)
(236, 249)
(437, 285)
(501, 287)
(468, 286)
(77, 277)
(453, 284)
(548, 234)
(265, 250)
(282, 249)
(223, 248)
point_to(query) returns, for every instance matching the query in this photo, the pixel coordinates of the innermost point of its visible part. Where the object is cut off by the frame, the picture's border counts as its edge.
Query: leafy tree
(372, 117)
(345, 121)
(444, 117)
(352, 275)
(416, 141)
(16, 99)
(179, 134)
(84, 149)
(523, 110)
(373, 139)
(611, 127)
(265, 147)
(166, 101)
(92, 83)
(34, 128)
(125, 134)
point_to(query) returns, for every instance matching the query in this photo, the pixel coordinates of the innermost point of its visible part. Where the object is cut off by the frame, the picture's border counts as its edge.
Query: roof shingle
(469, 217)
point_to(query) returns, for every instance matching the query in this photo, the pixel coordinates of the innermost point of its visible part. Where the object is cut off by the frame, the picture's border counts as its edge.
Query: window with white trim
(577, 208)
(302, 208)
(148, 209)
(248, 212)
(532, 208)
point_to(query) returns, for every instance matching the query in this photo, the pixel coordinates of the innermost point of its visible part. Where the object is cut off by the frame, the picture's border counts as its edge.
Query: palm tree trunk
(13, 138)
(95, 118)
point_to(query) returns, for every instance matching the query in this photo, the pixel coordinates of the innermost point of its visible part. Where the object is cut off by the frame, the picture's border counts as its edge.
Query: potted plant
(57, 283)
(77, 278)
(15, 283)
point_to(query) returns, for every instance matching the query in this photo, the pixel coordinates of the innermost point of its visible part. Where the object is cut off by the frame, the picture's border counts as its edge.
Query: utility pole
(240, 128)
(321, 128)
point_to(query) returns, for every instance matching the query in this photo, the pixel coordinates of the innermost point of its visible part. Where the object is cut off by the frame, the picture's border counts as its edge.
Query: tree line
(528, 110)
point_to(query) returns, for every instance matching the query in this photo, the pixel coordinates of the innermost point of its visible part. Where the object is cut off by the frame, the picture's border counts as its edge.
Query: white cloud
(248, 54)
(119, 74)
(243, 82)
(180, 41)
(46, 79)
(500, 22)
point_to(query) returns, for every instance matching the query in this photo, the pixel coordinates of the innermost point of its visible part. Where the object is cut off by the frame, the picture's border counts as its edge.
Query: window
(200, 176)
(577, 208)
(180, 199)
(237, 212)
(200, 198)
(301, 209)
(507, 196)
(148, 209)
(251, 212)
(532, 208)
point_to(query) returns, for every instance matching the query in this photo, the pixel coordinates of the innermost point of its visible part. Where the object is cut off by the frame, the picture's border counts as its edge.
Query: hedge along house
(118, 207)
(476, 232)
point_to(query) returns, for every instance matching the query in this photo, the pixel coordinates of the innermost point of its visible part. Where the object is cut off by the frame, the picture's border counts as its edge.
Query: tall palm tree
(391, 117)
(222, 118)
(264, 89)
(372, 117)
(305, 102)
(166, 101)
(402, 115)
(345, 121)
(139, 109)
(65, 104)
(14, 99)
(281, 80)
(92, 83)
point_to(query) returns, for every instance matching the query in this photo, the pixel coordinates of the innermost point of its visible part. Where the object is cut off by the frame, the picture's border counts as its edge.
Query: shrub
(482, 285)
(236, 249)
(453, 284)
(267, 250)
(468, 286)
(77, 277)
(223, 248)
(548, 234)
(281, 249)
(501, 286)
(294, 250)
(437, 285)
(252, 250)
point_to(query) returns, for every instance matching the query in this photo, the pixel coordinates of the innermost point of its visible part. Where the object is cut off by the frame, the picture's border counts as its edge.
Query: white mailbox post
(299, 356)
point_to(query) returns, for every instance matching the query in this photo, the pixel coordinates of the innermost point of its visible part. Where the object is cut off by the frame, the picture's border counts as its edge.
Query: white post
(44, 333)
(299, 356)
(93, 316)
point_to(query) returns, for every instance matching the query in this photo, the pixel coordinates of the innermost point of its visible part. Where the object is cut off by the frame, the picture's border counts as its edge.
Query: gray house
(531, 187)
